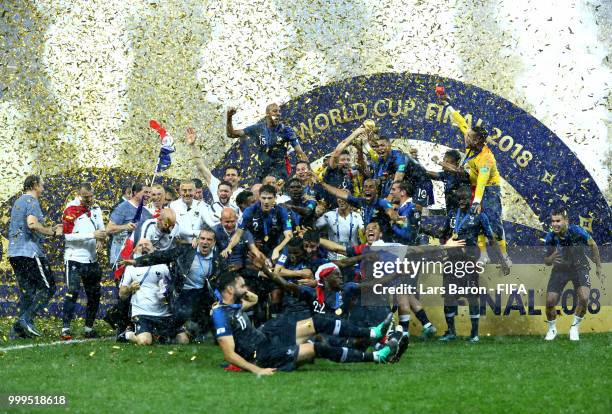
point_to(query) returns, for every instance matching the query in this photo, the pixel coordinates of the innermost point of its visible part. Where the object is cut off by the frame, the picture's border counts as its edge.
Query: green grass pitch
(519, 374)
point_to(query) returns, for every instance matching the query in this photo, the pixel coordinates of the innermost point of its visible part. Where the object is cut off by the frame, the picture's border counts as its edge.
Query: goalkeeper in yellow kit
(484, 179)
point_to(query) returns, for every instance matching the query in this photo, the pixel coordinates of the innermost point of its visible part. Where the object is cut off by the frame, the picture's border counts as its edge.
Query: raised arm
(229, 128)
(197, 156)
(335, 155)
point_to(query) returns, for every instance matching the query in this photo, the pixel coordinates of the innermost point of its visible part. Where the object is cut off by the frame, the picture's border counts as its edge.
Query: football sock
(552, 324)
(404, 321)
(503, 246)
(449, 314)
(474, 318)
(577, 320)
(341, 354)
(482, 243)
(422, 317)
(338, 327)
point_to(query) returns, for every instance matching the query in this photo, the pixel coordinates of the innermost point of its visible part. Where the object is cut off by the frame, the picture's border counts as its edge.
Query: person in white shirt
(150, 311)
(84, 232)
(224, 194)
(231, 174)
(191, 215)
(163, 232)
(158, 200)
(343, 226)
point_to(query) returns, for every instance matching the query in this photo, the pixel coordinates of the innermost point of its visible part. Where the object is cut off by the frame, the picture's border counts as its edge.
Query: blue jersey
(266, 227)
(375, 210)
(240, 251)
(385, 168)
(452, 183)
(273, 140)
(334, 303)
(291, 304)
(407, 232)
(298, 220)
(572, 247)
(230, 320)
(468, 226)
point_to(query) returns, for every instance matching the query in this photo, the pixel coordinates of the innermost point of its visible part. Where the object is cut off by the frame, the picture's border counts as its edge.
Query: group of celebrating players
(277, 271)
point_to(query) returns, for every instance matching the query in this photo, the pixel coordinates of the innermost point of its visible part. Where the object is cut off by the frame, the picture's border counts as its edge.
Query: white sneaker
(507, 260)
(550, 335)
(484, 258)
(573, 333)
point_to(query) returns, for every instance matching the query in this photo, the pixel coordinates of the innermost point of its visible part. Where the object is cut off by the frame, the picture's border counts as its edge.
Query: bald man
(224, 232)
(272, 138)
(163, 232)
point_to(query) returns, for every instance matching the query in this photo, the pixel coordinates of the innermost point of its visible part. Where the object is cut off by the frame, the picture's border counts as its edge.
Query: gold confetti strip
(80, 79)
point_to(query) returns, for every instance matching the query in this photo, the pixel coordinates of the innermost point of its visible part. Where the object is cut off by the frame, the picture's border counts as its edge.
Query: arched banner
(540, 167)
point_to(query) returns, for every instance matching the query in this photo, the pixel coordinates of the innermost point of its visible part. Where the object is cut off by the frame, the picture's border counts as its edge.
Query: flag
(128, 247)
(164, 159)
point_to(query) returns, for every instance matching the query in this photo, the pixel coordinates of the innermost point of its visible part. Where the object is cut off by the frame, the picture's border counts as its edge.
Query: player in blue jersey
(272, 137)
(453, 177)
(301, 208)
(279, 344)
(465, 224)
(566, 252)
(389, 167)
(269, 224)
(373, 207)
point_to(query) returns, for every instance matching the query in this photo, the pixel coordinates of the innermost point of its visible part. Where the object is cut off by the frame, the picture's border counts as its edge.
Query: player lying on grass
(280, 343)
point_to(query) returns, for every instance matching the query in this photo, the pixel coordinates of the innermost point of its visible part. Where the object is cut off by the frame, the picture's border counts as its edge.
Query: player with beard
(373, 208)
(231, 174)
(279, 344)
(301, 208)
(269, 224)
(272, 137)
(224, 196)
(566, 253)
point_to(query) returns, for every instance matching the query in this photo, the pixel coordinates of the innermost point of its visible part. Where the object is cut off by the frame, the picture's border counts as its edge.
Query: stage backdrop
(535, 164)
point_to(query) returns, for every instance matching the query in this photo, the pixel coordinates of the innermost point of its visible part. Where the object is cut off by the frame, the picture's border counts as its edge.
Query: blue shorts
(164, 327)
(280, 350)
(492, 207)
(560, 277)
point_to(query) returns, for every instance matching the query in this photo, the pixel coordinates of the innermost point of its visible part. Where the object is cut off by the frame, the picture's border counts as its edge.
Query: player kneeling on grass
(278, 344)
(566, 245)
(150, 311)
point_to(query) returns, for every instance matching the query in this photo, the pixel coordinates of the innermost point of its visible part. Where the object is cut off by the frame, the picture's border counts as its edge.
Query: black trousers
(90, 275)
(36, 284)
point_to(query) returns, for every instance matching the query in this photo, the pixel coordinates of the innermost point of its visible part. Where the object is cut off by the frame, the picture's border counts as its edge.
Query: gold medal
(339, 311)
(455, 236)
(266, 238)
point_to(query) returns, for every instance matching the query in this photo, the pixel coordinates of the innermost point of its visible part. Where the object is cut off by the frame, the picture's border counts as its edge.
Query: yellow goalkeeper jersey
(482, 166)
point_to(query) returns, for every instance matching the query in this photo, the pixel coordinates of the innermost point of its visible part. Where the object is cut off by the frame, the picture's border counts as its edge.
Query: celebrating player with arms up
(272, 136)
(566, 254)
(484, 178)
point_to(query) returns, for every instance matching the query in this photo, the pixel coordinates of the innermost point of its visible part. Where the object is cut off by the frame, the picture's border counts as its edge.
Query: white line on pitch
(36, 345)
